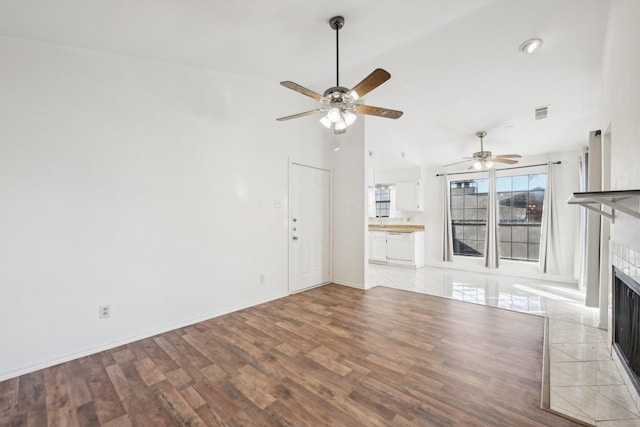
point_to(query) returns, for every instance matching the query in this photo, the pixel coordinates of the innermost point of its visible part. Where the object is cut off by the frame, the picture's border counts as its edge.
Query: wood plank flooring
(331, 356)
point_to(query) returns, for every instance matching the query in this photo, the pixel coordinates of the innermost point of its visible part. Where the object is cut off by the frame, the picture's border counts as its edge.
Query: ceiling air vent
(541, 112)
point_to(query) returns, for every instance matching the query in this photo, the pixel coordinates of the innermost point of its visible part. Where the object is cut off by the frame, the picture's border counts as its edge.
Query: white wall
(146, 186)
(392, 176)
(349, 209)
(621, 112)
(567, 182)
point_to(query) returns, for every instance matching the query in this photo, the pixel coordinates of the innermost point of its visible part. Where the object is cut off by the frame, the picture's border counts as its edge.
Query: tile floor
(585, 383)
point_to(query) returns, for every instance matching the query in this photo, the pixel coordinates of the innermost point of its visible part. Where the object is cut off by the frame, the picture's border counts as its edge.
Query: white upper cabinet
(409, 196)
(406, 189)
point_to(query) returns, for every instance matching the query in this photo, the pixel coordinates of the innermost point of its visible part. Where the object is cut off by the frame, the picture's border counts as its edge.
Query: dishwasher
(400, 246)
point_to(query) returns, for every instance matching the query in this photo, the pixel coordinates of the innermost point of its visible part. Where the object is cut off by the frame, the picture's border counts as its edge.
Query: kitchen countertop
(396, 228)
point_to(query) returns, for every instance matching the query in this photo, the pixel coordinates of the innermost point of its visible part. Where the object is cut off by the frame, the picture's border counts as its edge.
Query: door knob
(295, 237)
(295, 219)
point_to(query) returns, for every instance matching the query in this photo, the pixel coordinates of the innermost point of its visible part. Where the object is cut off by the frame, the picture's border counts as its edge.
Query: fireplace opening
(626, 318)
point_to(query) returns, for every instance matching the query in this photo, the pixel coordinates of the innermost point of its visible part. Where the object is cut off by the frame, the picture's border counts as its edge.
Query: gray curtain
(447, 233)
(594, 183)
(549, 232)
(491, 249)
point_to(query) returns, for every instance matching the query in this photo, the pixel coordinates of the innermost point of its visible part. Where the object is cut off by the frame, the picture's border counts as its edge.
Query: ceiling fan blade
(507, 161)
(306, 113)
(456, 163)
(303, 90)
(372, 81)
(378, 111)
(513, 156)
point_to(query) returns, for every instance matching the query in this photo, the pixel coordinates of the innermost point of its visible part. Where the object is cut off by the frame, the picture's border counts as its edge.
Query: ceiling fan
(339, 103)
(485, 159)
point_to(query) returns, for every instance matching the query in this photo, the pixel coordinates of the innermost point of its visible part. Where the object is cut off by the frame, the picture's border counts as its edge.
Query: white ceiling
(455, 64)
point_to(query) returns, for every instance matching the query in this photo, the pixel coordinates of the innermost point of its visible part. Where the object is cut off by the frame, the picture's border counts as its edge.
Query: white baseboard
(351, 285)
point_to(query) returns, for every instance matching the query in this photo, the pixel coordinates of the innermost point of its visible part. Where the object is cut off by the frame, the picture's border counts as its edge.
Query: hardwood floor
(329, 356)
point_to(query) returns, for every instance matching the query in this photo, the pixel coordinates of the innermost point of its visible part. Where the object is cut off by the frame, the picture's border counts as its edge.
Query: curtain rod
(501, 169)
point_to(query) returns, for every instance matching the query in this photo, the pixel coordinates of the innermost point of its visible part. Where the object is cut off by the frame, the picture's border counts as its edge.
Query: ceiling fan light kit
(339, 102)
(485, 159)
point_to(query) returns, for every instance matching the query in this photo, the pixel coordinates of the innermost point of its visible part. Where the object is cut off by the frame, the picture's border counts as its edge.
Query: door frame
(291, 164)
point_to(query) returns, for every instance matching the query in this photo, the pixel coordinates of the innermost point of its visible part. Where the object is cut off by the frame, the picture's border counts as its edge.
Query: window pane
(383, 195)
(504, 233)
(482, 232)
(482, 216)
(472, 248)
(456, 202)
(503, 184)
(471, 215)
(470, 232)
(521, 183)
(534, 233)
(471, 201)
(519, 233)
(467, 220)
(520, 215)
(505, 250)
(535, 206)
(504, 214)
(482, 185)
(457, 214)
(504, 198)
(519, 251)
(520, 199)
(383, 209)
(537, 181)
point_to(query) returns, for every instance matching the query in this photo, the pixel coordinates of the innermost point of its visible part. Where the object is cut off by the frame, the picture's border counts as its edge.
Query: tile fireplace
(626, 323)
(625, 314)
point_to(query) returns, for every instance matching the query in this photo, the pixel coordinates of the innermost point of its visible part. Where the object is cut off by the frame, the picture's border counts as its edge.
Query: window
(520, 200)
(469, 216)
(383, 202)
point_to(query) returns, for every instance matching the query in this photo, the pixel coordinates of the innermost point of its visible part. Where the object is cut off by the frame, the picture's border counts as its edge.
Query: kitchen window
(383, 202)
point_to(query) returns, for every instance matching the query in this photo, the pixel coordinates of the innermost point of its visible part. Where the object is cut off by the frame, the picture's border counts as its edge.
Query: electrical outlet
(262, 279)
(105, 311)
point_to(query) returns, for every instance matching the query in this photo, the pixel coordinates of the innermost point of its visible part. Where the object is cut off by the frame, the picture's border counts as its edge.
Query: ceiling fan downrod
(337, 22)
(481, 134)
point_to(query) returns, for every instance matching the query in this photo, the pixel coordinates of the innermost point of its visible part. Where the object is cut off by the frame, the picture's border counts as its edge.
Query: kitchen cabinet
(378, 245)
(400, 246)
(409, 196)
(397, 248)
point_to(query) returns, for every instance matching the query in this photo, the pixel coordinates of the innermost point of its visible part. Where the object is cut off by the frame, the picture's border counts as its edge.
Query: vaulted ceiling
(455, 64)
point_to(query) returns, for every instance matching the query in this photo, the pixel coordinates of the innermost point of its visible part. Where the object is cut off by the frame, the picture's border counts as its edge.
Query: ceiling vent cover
(541, 112)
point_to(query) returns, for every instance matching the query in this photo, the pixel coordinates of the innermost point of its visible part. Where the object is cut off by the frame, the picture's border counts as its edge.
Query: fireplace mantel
(593, 200)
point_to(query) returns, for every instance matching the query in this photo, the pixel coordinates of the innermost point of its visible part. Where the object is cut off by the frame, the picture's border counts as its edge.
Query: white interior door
(309, 224)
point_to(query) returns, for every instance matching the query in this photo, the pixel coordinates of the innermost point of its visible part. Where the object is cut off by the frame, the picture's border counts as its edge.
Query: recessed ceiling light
(530, 45)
